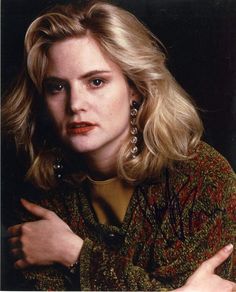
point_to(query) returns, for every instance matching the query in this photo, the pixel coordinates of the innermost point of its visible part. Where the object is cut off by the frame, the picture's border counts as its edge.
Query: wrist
(74, 267)
(69, 256)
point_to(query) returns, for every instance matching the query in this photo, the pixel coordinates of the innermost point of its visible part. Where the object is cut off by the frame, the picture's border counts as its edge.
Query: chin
(82, 148)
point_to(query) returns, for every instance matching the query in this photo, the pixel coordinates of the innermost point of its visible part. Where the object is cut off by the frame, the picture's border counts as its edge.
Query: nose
(77, 100)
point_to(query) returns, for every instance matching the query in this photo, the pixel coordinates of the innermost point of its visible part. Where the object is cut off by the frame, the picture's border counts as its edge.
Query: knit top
(170, 227)
(110, 199)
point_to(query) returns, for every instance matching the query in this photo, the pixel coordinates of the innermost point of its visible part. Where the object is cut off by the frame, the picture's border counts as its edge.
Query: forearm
(103, 269)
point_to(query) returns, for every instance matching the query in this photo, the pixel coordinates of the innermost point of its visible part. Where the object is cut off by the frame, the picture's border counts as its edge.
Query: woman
(132, 199)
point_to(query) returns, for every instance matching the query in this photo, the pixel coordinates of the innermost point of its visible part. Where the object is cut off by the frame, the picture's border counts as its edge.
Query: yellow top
(110, 199)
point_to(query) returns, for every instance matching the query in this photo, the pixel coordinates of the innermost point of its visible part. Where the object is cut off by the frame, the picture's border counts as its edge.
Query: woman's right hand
(204, 278)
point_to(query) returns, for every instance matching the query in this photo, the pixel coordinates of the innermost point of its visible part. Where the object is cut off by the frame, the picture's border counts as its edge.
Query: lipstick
(79, 128)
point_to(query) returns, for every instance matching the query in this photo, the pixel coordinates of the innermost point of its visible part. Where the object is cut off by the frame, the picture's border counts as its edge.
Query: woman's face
(87, 97)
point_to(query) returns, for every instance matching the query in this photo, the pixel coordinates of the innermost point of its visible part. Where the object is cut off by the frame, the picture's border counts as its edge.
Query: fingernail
(228, 248)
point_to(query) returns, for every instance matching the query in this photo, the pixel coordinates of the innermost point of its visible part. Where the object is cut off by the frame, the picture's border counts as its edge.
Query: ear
(135, 95)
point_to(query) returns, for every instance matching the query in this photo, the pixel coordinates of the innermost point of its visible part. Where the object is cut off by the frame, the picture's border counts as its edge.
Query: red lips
(79, 128)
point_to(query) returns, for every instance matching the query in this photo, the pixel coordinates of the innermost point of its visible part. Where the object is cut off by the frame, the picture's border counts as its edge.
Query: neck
(100, 164)
(101, 167)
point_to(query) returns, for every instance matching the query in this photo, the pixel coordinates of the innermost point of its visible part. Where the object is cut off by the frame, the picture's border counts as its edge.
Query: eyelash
(56, 88)
(92, 81)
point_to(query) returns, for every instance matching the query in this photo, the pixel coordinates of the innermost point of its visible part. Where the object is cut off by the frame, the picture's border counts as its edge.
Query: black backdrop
(200, 37)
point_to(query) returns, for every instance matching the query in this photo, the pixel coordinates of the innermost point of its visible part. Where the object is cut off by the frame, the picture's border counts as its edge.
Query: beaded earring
(58, 166)
(134, 130)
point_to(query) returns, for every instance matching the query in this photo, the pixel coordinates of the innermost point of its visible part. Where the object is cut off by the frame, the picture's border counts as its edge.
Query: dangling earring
(134, 130)
(58, 165)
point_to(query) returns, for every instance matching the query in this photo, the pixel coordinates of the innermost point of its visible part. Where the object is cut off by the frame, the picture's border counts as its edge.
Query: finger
(15, 242)
(36, 209)
(232, 285)
(21, 264)
(14, 230)
(218, 258)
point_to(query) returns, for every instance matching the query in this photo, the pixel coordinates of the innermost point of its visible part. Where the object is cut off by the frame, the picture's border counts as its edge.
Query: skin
(36, 243)
(85, 85)
(205, 280)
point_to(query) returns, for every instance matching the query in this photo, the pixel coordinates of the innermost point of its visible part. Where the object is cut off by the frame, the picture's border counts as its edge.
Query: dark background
(200, 37)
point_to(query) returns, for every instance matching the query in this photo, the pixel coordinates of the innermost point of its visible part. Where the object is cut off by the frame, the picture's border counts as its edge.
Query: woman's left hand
(44, 242)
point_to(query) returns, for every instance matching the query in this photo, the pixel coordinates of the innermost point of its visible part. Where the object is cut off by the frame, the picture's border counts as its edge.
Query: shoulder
(206, 177)
(206, 165)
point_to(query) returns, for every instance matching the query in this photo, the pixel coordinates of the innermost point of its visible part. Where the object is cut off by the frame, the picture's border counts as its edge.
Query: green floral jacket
(170, 227)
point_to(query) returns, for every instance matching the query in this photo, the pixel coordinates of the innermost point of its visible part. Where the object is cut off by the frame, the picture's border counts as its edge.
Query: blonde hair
(167, 121)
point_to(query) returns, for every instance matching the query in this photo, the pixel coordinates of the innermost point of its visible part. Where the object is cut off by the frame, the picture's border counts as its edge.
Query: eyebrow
(84, 76)
(94, 72)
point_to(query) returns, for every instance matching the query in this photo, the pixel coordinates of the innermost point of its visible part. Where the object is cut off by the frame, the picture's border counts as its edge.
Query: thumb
(36, 209)
(218, 258)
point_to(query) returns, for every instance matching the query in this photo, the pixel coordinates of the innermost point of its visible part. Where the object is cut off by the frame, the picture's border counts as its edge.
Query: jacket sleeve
(101, 269)
(211, 213)
(208, 210)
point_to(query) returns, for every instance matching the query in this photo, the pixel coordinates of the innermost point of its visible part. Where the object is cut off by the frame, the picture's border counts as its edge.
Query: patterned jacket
(170, 227)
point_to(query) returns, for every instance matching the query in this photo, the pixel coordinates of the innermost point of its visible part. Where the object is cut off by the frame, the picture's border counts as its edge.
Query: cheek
(121, 102)
(122, 106)
(56, 112)
(119, 109)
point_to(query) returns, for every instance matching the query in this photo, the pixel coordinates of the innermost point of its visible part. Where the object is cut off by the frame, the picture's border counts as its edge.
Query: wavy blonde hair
(168, 123)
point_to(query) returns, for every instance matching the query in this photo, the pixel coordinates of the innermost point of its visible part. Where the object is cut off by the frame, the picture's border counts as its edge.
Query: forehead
(78, 54)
